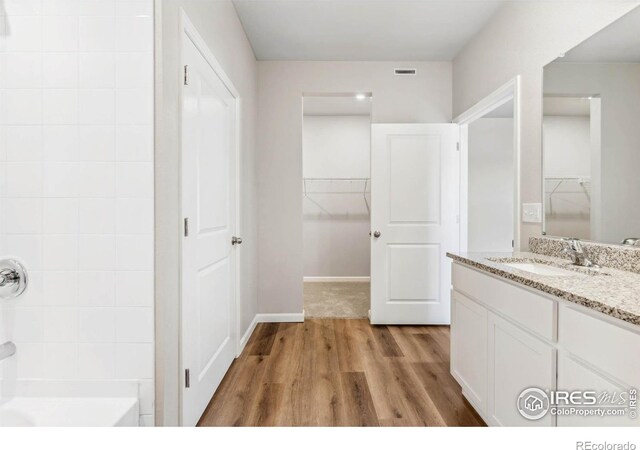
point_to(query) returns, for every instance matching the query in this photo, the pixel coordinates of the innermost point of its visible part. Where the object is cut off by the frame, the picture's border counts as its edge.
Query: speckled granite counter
(609, 291)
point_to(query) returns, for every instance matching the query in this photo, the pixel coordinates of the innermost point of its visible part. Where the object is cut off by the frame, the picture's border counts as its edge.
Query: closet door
(414, 208)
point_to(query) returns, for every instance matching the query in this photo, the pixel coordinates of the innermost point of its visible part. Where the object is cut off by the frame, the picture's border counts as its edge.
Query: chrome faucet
(573, 248)
(631, 242)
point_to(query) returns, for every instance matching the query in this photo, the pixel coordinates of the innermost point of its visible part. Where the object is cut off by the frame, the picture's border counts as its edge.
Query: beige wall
(425, 98)
(521, 39)
(220, 27)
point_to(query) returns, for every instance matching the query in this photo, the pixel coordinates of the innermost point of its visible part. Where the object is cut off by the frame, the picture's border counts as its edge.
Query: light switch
(532, 212)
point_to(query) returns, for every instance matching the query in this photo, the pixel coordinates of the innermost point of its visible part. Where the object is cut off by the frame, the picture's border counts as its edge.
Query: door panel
(414, 175)
(208, 335)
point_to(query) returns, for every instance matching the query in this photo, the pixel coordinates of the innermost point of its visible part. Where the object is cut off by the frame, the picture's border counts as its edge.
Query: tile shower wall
(76, 188)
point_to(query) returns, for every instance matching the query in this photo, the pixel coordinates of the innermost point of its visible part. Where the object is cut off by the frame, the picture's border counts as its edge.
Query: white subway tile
(97, 70)
(134, 106)
(22, 106)
(134, 180)
(97, 143)
(60, 252)
(23, 70)
(60, 179)
(22, 216)
(60, 106)
(134, 143)
(135, 253)
(60, 361)
(24, 179)
(96, 325)
(60, 70)
(60, 33)
(133, 34)
(34, 295)
(96, 288)
(96, 8)
(97, 252)
(96, 361)
(61, 7)
(134, 361)
(134, 288)
(60, 324)
(97, 179)
(60, 215)
(23, 143)
(134, 70)
(96, 106)
(97, 33)
(133, 8)
(25, 35)
(60, 288)
(60, 143)
(146, 397)
(97, 215)
(27, 325)
(26, 248)
(22, 7)
(134, 325)
(30, 361)
(134, 216)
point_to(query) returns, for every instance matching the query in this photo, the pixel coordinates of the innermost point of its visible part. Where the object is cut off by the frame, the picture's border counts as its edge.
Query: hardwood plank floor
(341, 372)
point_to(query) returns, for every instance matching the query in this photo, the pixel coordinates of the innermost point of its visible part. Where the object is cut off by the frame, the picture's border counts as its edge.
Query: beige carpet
(341, 300)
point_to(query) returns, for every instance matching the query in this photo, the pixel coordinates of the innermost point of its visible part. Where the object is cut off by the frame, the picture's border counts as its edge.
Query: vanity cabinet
(506, 338)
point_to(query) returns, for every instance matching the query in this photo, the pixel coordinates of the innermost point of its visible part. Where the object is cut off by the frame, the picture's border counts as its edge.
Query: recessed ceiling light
(360, 97)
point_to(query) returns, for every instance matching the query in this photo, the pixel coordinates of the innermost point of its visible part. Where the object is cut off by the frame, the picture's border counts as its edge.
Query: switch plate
(532, 212)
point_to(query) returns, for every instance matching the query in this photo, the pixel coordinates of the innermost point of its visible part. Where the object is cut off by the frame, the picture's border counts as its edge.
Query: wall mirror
(591, 137)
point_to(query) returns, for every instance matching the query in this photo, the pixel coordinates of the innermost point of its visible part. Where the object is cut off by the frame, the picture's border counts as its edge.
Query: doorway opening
(336, 188)
(489, 174)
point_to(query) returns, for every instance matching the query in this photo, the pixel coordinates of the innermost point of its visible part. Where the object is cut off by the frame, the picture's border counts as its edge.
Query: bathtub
(68, 412)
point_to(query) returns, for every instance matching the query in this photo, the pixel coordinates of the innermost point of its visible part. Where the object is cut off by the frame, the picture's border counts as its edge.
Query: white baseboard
(286, 317)
(245, 337)
(337, 279)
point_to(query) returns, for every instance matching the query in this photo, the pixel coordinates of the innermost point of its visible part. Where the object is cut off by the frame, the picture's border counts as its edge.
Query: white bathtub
(68, 412)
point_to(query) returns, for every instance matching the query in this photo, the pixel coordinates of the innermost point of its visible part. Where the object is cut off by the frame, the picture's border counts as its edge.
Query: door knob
(13, 279)
(236, 240)
(377, 234)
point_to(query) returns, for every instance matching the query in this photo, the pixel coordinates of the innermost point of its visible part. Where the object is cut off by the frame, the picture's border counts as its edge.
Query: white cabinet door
(469, 348)
(414, 195)
(574, 375)
(517, 361)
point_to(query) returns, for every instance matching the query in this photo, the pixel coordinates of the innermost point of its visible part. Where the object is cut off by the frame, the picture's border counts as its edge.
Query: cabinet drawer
(612, 348)
(535, 312)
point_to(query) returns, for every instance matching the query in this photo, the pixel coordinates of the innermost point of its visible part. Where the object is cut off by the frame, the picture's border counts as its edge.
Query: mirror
(591, 137)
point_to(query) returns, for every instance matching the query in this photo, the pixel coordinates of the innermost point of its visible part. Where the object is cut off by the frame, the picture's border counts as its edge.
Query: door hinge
(186, 226)
(457, 146)
(187, 378)
(186, 75)
(513, 243)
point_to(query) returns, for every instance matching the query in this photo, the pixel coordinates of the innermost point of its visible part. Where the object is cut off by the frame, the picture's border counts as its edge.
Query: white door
(414, 195)
(208, 258)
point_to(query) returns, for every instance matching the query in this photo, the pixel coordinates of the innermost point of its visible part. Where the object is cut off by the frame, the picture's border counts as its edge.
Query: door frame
(190, 32)
(505, 93)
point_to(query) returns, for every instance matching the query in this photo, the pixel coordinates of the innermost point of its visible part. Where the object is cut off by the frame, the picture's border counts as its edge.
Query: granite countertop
(609, 291)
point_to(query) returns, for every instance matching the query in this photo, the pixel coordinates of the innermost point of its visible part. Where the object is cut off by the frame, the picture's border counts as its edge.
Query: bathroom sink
(542, 269)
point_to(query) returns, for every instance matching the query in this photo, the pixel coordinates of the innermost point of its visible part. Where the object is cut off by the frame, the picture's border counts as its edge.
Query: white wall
(336, 226)
(490, 197)
(521, 39)
(76, 170)
(425, 97)
(217, 22)
(619, 89)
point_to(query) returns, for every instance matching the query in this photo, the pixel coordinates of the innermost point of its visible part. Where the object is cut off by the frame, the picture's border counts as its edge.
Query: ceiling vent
(405, 71)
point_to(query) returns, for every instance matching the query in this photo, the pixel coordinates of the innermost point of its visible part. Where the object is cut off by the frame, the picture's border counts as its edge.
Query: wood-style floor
(341, 372)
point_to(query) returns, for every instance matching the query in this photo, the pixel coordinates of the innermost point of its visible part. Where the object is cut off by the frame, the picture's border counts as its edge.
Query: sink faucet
(573, 247)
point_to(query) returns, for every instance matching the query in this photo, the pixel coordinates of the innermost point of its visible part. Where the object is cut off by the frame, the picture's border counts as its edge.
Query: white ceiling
(619, 42)
(336, 106)
(362, 30)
